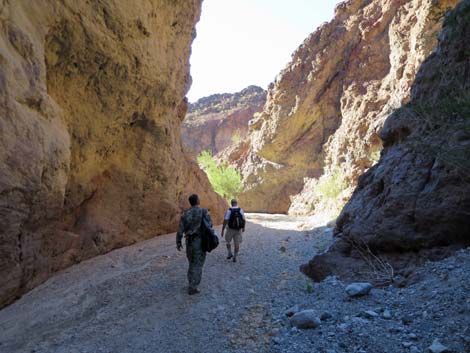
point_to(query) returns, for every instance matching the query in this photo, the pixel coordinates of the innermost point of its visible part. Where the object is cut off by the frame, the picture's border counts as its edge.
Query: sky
(245, 42)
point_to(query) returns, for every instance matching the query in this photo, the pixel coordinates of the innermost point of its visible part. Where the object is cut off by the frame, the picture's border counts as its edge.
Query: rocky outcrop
(218, 121)
(326, 107)
(417, 198)
(91, 101)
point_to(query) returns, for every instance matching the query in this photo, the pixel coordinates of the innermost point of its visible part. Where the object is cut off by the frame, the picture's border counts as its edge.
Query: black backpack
(209, 240)
(236, 220)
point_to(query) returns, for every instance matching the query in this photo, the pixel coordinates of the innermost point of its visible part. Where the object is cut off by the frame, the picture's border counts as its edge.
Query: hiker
(190, 224)
(235, 220)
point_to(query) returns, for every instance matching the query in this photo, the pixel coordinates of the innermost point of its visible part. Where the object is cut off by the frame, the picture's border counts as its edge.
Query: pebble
(396, 329)
(305, 319)
(437, 347)
(370, 314)
(358, 289)
(386, 314)
(292, 310)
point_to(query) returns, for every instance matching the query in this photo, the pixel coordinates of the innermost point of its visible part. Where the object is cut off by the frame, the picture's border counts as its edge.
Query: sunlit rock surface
(218, 121)
(415, 203)
(325, 109)
(91, 101)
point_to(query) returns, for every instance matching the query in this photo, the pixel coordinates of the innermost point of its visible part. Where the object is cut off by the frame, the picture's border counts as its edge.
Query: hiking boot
(234, 259)
(192, 291)
(229, 256)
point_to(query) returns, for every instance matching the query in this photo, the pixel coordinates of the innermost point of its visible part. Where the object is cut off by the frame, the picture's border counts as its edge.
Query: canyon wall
(218, 121)
(416, 200)
(325, 109)
(91, 101)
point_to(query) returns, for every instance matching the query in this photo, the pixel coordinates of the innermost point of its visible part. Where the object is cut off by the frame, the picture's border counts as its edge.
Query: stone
(306, 319)
(396, 329)
(386, 314)
(292, 310)
(370, 314)
(437, 347)
(358, 289)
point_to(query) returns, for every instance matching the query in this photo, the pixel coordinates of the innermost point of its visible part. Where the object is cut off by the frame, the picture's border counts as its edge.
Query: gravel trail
(134, 300)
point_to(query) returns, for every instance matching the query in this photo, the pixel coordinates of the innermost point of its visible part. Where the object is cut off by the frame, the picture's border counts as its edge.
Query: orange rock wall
(91, 102)
(325, 109)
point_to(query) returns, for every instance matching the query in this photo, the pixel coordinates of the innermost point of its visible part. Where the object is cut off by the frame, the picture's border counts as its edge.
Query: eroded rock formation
(416, 200)
(91, 101)
(216, 122)
(326, 107)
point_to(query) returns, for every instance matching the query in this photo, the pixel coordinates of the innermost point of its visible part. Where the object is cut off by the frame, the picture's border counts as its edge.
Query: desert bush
(225, 181)
(331, 184)
(236, 137)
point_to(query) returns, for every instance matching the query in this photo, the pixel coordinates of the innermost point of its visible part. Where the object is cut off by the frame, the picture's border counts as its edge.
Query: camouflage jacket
(191, 221)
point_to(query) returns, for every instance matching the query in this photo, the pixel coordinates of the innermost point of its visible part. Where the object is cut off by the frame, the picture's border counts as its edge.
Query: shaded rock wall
(325, 108)
(216, 122)
(417, 198)
(91, 102)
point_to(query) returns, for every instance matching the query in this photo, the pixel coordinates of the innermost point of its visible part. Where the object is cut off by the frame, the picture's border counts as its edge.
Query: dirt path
(134, 299)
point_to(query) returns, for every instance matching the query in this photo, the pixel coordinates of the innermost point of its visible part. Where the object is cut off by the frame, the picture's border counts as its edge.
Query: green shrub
(375, 156)
(226, 181)
(309, 287)
(330, 185)
(236, 137)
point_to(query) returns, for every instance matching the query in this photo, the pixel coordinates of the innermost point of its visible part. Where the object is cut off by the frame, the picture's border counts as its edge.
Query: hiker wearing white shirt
(234, 221)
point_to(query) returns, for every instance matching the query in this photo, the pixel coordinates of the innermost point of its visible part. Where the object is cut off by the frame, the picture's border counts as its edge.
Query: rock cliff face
(91, 101)
(417, 198)
(326, 107)
(216, 122)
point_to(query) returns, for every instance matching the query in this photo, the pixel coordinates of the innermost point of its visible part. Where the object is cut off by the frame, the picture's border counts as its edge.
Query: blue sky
(243, 42)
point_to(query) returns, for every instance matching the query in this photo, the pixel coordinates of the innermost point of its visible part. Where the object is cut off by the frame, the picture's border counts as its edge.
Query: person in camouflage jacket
(189, 226)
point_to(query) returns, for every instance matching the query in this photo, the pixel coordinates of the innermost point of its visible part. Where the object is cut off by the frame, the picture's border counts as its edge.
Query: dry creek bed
(134, 300)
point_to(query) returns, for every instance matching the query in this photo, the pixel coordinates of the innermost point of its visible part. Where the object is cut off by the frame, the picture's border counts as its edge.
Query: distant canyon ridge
(218, 121)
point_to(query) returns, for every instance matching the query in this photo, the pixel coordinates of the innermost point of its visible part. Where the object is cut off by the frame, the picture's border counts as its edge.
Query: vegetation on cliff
(225, 180)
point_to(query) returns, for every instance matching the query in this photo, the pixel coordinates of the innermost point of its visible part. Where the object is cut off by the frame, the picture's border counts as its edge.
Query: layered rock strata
(218, 121)
(325, 108)
(91, 101)
(416, 200)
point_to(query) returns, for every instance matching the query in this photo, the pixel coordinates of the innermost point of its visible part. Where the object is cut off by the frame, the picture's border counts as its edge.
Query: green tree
(225, 180)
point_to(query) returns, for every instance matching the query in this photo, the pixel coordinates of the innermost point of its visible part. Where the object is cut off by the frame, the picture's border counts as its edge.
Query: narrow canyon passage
(134, 299)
